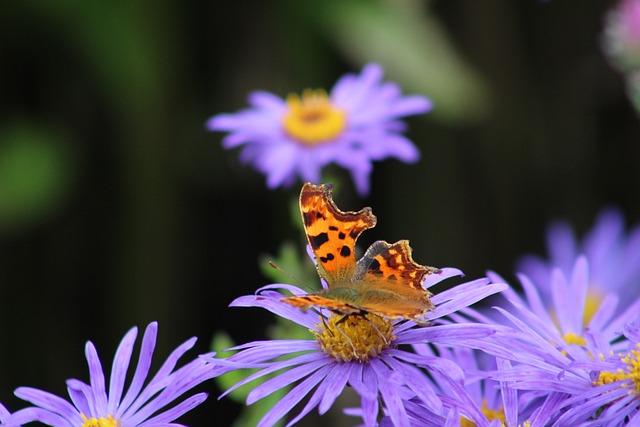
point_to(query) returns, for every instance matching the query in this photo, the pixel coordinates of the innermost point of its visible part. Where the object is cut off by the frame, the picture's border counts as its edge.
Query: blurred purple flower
(361, 352)
(141, 406)
(613, 255)
(569, 313)
(622, 35)
(357, 123)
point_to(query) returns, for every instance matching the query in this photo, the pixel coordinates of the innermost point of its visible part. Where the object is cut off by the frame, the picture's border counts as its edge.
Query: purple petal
(311, 359)
(362, 384)
(446, 334)
(175, 412)
(143, 366)
(417, 382)
(48, 401)
(444, 274)
(274, 384)
(462, 296)
(273, 303)
(159, 381)
(297, 393)
(82, 397)
(390, 395)
(561, 244)
(96, 377)
(327, 392)
(267, 102)
(119, 369)
(28, 415)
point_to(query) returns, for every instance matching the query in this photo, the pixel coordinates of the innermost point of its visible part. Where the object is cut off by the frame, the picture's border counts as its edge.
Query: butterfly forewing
(311, 300)
(331, 233)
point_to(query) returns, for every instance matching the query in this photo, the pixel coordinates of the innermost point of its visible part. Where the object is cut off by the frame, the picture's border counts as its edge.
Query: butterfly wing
(331, 233)
(390, 281)
(307, 301)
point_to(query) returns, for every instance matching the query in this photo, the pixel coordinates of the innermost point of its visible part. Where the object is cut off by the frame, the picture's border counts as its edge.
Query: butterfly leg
(345, 317)
(376, 328)
(326, 326)
(353, 347)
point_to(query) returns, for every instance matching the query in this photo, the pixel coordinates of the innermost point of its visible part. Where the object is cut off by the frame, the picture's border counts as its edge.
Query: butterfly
(386, 281)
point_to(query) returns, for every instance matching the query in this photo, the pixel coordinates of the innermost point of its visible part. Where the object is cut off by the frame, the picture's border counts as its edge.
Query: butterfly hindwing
(390, 281)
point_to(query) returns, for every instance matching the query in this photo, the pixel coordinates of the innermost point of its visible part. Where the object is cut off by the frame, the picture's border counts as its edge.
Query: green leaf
(414, 49)
(291, 265)
(35, 175)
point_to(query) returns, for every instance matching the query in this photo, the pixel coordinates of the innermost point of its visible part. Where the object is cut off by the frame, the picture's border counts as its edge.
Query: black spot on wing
(333, 228)
(319, 240)
(374, 268)
(341, 235)
(345, 251)
(308, 218)
(328, 258)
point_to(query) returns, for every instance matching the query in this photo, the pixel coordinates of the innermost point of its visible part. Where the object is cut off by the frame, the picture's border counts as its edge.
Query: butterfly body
(385, 281)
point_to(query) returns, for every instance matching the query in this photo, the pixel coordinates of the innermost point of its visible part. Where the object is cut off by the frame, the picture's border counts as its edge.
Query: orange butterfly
(385, 281)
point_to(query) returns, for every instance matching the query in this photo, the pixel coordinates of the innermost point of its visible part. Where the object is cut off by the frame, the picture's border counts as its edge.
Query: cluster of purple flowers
(563, 352)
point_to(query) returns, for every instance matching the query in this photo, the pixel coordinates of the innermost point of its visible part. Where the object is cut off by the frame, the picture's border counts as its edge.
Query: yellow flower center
(632, 373)
(491, 415)
(354, 338)
(571, 338)
(109, 421)
(594, 298)
(591, 305)
(311, 119)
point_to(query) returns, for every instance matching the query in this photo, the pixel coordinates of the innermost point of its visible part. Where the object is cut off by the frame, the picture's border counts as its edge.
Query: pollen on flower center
(571, 338)
(356, 338)
(108, 421)
(591, 306)
(491, 415)
(312, 119)
(632, 372)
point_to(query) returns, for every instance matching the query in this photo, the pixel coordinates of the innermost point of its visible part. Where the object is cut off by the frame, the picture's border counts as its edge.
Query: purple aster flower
(590, 386)
(361, 351)
(149, 406)
(612, 253)
(480, 401)
(569, 313)
(356, 123)
(570, 366)
(551, 348)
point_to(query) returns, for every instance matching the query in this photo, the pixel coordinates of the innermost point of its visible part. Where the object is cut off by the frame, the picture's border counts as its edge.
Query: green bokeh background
(118, 208)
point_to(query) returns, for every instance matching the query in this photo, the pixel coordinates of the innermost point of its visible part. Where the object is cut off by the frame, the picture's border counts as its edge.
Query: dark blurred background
(117, 207)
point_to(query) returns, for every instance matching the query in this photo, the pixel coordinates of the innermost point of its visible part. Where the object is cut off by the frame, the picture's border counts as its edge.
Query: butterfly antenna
(295, 279)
